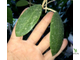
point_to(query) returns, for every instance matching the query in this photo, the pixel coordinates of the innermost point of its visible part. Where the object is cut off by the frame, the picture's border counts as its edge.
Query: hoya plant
(29, 19)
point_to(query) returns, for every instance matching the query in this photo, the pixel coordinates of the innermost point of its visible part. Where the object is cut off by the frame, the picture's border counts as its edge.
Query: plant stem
(30, 2)
(50, 1)
(50, 9)
(44, 6)
(43, 3)
(9, 27)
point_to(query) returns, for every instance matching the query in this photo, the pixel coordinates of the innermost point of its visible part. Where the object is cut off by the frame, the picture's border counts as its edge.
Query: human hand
(19, 49)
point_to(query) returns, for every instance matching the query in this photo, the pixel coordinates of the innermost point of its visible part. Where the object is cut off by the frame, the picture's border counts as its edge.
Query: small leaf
(28, 20)
(56, 33)
(9, 15)
(21, 3)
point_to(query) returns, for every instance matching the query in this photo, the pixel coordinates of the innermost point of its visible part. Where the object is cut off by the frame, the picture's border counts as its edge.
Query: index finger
(40, 28)
(13, 35)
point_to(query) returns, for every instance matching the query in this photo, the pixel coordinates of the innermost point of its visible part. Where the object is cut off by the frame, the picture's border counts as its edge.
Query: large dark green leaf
(28, 20)
(56, 33)
(21, 3)
(9, 15)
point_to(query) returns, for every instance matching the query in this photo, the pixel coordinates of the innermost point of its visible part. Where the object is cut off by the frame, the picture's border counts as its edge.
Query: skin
(19, 49)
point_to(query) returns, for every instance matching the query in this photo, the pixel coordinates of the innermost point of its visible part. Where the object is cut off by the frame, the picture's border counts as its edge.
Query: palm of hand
(19, 49)
(25, 49)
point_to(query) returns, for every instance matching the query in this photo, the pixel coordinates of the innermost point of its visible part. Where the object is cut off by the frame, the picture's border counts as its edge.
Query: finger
(48, 55)
(13, 35)
(45, 43)
(40, 28)
(64, 44)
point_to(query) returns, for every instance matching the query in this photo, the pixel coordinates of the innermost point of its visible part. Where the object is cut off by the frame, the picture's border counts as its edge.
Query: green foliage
(28, 20)
(9, 15)
(21, 3)
(56, 33)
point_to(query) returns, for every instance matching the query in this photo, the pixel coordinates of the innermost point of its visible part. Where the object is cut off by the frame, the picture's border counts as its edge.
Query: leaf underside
(56, 33)
(21, 3)
(28, 20)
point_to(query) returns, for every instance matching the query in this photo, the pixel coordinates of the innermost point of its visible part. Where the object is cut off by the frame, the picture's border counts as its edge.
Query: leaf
(56, 33)
(28, 20)
(21, 3)
(9, 15)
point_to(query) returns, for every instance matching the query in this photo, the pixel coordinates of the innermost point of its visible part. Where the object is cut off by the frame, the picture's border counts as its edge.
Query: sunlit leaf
(28, 20)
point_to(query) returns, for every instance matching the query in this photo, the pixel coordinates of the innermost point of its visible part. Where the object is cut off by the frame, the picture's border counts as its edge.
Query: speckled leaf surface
(28, 20)
(56, 33)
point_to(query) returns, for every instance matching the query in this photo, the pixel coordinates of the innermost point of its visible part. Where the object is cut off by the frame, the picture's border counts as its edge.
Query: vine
(44, 5)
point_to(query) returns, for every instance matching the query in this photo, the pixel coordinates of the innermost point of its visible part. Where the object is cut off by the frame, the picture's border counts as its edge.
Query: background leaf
(9, 15)
(21, 3)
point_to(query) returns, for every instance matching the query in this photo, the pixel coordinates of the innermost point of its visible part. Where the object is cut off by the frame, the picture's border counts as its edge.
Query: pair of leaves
(31, 16)
(21, 3)
(9, 15)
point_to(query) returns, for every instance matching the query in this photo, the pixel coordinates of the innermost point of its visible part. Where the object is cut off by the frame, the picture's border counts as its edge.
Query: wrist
(9, 56)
